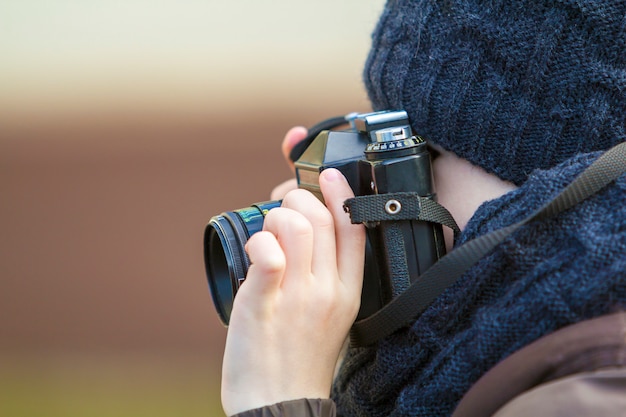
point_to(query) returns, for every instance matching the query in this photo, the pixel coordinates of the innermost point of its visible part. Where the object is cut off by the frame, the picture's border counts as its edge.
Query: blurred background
(124, 126)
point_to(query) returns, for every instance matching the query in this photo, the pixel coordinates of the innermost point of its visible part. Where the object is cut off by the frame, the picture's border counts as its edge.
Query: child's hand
(300, 297)
(292, 138)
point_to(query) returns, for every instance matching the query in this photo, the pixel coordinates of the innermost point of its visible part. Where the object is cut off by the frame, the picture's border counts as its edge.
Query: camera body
(377, 155)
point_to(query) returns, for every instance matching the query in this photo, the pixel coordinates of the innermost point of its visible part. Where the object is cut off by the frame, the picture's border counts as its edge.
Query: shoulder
(600, 393)
(578, 370)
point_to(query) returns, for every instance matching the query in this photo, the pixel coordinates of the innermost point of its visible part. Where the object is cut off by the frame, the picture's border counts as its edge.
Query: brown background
(107, 183)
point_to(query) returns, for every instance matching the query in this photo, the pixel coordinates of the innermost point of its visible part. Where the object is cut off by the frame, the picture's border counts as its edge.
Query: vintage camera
(378, 155)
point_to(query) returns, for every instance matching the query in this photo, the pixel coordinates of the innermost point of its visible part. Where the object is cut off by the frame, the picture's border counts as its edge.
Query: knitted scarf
(547, 275)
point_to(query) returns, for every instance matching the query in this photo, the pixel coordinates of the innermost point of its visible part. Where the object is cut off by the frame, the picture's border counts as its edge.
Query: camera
(385, 165)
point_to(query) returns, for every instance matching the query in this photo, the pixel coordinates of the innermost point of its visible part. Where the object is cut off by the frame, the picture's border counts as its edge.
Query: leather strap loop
(398, 206)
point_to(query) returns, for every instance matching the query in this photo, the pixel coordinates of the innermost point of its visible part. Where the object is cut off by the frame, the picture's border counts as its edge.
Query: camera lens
(225, 258)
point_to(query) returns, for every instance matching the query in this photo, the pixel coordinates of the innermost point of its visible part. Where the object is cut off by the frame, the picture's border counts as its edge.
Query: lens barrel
(225, 258)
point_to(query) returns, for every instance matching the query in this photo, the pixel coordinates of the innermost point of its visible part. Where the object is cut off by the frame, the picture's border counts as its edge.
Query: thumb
(294, 136)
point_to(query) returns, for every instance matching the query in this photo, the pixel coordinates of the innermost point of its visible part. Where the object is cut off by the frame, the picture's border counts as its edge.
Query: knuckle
(310, 207)
(283, 221)
(272, 264)
(299, 226)
(295, 197)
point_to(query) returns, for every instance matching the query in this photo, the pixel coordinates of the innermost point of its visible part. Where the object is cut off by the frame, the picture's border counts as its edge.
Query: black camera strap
(398, 206)
(393, 208)
(408, 305)
(315, 130)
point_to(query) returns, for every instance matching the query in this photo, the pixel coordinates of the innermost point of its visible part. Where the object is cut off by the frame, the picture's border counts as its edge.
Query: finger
(295, 236)
(324, 250)
(350, 238)
(294, 136)
(267, 263)
(281, 190)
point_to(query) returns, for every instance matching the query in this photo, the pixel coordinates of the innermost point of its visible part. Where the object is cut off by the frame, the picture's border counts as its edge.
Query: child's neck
(462, 187)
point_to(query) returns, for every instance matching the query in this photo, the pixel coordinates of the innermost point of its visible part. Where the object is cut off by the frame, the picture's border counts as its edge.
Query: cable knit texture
(510, 85)
(547, 275)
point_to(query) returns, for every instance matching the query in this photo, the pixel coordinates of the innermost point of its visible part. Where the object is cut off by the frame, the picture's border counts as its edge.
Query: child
(519, 97)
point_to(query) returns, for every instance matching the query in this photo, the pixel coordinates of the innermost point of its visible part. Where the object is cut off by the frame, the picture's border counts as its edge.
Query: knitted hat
(510, 85)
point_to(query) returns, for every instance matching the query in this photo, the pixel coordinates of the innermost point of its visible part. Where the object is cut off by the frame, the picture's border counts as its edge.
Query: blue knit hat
(510, 85)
